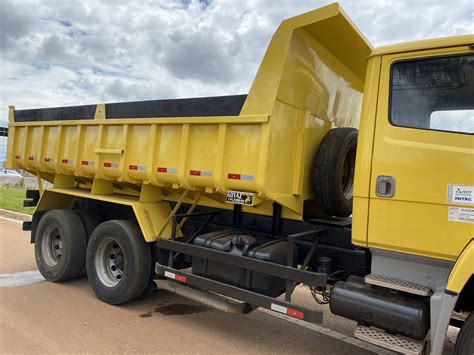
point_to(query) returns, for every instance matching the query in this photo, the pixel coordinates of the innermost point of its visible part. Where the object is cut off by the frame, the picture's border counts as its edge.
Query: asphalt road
(66, 317)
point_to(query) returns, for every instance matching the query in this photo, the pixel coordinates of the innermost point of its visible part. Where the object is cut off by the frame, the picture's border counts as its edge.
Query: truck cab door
(422, 178)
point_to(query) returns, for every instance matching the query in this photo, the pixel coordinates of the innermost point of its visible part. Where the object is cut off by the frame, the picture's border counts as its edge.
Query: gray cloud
(118, 89)
(57, 52)
(203, 56)
(14, 24)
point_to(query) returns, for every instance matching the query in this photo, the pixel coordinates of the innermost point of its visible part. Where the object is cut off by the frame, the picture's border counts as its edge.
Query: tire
(90, 219)
(118, 262)
(332, 172)
(465, 340)
(60, 245)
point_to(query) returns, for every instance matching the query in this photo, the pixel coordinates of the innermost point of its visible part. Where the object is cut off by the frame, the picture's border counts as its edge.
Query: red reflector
(233, 176)
(84, 162)
(180, 278)
(31, 158)
(161, 170)
(295, 313)
(47, 160)
(17, 157)
(64, 161)
(107, 165)
(133, 167)
(195, 172)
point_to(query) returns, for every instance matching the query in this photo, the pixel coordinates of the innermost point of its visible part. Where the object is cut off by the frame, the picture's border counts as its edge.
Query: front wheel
(465, 340)
(118, 261)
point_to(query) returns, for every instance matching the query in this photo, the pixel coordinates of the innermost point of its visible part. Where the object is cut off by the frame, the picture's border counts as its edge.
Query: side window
(433, 94)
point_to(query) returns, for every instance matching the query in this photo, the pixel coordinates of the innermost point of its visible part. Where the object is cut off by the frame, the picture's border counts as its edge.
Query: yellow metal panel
(151, 217)
(242, 146)
(32, 148)
(463, 269)
(67, 151)
(102, 187)
(455, 41)
(51, 144)
(87, 155)
(64, 181)
(364, 154)
(51, 200)
(168, 140)
(158, 120)
(331, 27)
(315, 80)
(423, 163)
(136, 154)
(201, 155)
(264, 89)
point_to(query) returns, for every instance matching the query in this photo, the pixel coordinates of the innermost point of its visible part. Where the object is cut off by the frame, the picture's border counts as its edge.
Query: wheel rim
(348, 174)
(109, 262)
(52, 246)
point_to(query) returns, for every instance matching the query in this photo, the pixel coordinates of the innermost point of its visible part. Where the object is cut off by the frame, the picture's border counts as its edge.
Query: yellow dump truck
(346, 168)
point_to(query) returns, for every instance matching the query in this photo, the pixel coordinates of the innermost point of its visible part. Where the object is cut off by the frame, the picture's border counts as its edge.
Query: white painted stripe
(14, 216)
(170, 275)
(10, 220)
(172, 170)
(329, 332)
(278, 308)
(206, 173)
(20, 279)
(246, 177)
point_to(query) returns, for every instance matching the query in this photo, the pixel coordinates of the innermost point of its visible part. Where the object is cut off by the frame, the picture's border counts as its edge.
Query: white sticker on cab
(461, 214)
(461, 194)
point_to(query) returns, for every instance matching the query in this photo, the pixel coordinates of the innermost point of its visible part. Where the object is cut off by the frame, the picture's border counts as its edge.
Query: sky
(59, 52)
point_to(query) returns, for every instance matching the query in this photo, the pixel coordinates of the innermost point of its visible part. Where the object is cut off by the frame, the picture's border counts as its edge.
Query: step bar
(397, 284)
(388, 341)
(250, 297)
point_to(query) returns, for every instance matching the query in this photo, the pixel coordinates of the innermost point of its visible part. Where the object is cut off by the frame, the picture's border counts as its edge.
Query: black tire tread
(90, 219)
(138, 260)
(327, 170)
(72, 230)
(465, 340)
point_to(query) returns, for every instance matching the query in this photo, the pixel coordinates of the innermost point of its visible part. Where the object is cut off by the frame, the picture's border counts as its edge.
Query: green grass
(11, 198)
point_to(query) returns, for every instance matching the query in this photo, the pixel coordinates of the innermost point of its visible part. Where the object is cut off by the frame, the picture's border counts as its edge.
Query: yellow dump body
(311, 79)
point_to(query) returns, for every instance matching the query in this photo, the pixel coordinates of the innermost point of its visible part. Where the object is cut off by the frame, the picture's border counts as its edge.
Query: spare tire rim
(52, 245)
(348, 174)
(109, 262)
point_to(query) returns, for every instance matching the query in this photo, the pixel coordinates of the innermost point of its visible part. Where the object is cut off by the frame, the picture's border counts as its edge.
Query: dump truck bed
(252, 149)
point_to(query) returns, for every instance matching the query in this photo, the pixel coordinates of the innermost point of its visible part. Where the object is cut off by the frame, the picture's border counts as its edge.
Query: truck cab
(414, 184)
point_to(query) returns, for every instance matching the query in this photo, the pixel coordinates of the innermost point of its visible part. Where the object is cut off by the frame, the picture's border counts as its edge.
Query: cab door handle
(385, 186)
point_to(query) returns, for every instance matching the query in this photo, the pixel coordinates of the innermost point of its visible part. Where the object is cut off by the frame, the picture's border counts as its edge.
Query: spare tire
(332, 172)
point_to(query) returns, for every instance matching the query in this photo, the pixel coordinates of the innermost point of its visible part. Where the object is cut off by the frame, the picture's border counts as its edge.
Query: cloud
(57, 52)
(201, 55)
(13, 25)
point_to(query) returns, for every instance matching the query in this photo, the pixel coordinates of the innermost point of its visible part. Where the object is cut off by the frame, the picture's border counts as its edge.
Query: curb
(15, 215)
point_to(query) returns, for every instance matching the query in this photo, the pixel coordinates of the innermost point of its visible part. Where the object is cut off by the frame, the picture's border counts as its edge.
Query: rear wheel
(90, 219)
(60, 245)
(118, 262)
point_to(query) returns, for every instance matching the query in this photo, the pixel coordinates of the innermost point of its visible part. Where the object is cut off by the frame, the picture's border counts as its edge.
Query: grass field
(11, 199)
